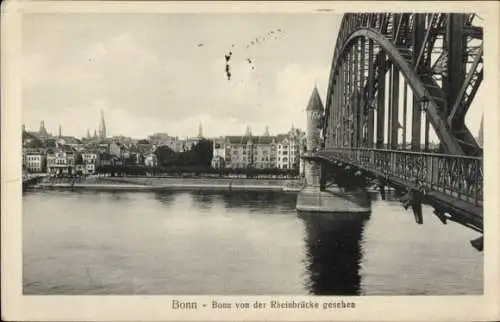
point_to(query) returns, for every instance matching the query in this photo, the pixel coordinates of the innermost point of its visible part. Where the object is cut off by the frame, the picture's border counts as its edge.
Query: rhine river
(237, 244)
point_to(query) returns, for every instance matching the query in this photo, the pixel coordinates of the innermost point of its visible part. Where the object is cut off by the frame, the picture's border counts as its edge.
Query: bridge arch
(385, 32)
(438, 59)
(414, 81)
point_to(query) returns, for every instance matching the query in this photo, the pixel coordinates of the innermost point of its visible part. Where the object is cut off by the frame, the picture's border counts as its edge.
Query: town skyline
(150, 80)
(98, 132)
(171, 89)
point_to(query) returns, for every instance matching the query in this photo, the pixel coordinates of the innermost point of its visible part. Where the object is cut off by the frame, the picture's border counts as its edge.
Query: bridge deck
(453, 183)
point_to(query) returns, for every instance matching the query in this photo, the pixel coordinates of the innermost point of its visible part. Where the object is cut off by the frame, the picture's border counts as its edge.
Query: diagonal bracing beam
(472, 81)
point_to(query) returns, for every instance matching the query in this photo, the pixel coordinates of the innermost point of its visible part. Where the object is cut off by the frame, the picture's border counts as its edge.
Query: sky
(165, 73)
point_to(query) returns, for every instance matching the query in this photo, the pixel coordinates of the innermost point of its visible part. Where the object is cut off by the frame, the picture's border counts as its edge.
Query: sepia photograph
(327, 155)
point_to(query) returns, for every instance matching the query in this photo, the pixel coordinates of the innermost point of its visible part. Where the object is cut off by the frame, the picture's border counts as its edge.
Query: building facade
(261, 152)
(219, 153)
(34, 162)
(61, 161)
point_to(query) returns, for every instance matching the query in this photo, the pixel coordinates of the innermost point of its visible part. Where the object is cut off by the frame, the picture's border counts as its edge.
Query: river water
(237, 243)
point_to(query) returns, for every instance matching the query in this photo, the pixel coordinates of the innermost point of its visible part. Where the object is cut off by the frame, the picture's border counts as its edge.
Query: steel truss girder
(464, 99)
(438, 122)
(398, 29)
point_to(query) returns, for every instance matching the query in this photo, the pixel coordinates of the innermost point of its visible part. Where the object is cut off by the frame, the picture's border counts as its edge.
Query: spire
(266, 132)
(88, 134)
(102, 126)
(200, 131)
(42, 130)
(60, 130)
(248, 131)
(315, 103)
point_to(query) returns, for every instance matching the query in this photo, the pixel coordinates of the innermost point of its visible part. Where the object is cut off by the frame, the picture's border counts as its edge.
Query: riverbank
(164, 183)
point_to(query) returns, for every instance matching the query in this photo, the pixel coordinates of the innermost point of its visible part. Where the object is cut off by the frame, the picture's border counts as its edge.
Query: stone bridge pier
(315, 196)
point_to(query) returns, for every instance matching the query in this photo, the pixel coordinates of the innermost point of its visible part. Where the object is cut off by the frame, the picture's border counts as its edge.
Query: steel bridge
(395, 81)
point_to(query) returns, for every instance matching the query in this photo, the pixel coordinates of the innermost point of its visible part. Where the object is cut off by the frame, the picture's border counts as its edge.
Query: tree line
(143, 170)
(195, 161)
(200, 155)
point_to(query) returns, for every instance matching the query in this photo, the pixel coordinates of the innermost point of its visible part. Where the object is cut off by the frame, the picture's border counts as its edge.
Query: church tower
(200, 131)
(60, 130)
(102, 126)
(43, 132)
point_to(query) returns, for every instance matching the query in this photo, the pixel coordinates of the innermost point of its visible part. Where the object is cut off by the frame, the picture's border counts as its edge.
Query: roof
(244, 139)
(67, 148)
(70, 140)
(90, 150)
(141, 148)
(281, 137)
(315, 103)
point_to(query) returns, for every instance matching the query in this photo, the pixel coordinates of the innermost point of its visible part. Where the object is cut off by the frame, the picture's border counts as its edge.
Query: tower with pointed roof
(102, 126)
(314, 113)
(248, 131)
(266, 132)
(42, 130)
(200, 131)
(60, 131)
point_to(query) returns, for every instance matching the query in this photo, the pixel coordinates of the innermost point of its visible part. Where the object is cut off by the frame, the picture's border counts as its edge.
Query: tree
(166, 156)
(203, 153)
(78, 159)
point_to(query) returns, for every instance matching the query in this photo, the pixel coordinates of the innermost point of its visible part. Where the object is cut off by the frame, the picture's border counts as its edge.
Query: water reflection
(165, 196)
(203, 198)
(259, 200)
(333, 252)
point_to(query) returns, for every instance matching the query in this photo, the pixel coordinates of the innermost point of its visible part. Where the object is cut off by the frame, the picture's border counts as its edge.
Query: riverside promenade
(132, 183)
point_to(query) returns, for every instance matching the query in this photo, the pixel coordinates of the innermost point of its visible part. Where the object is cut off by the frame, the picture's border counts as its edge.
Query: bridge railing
(456, 176)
